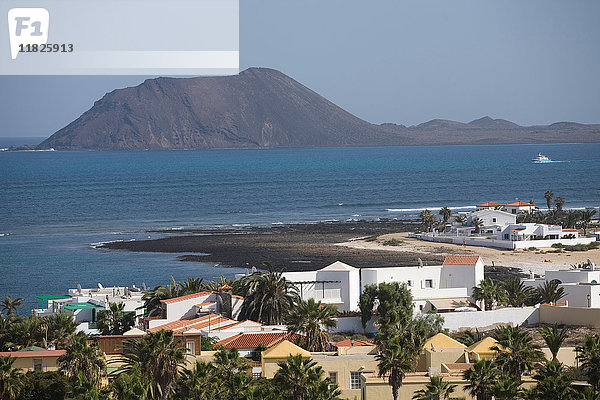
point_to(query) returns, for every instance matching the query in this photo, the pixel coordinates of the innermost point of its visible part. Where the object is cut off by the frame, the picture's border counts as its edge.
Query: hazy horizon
(403, 62)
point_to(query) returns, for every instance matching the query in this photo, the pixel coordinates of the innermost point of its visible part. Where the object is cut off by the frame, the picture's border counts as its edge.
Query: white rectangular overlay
(120, 37)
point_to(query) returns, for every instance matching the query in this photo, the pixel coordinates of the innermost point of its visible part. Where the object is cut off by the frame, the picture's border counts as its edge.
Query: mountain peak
(488, 122)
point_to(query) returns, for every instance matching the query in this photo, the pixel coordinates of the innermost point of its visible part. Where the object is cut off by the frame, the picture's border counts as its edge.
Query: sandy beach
(536, 261)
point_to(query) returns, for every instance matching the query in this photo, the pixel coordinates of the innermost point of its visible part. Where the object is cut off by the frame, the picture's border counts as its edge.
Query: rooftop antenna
(253, 269)
(79, 288)
(100, 286)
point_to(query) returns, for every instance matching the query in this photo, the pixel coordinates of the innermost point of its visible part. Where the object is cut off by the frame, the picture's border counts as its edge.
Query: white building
(453, 280)
(197, 305)
(341, 284)
(337, 284)
(581, 285)
(84, 304)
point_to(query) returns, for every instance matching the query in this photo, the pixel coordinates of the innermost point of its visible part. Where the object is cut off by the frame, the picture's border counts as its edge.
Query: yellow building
(35, 359)
(343, 367)
(441, 349)
(483, 349)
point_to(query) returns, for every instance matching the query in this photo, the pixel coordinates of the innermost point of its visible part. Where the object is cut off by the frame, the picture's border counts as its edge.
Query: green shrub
(392, 242)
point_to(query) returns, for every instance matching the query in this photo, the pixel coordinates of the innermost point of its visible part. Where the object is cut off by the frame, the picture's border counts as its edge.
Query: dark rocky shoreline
(295, 247)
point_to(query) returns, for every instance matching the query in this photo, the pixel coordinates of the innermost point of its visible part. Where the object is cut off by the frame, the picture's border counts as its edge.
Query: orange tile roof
(33, 353)
(196, 323)
(253, 340)
(186, 297)
(520, 204)
(569, 230)
(225, 287)
(352, 343)
(235, 296)
(206, 303)
(237, 323)
(460, 260)
(488, 204)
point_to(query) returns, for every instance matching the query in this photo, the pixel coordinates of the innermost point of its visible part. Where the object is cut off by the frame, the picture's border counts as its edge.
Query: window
(409, 282)
(191, 347)
(354, 380)
(333, 377)
(514, 211)
(428, 283)
(493, 219)
(37, 364)
(506, 236)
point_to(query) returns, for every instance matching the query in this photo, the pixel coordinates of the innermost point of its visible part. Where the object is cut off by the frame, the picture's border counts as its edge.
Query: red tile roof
(237, 323)
(460, 260)
(182, 325)
(253, 340)
(488, 204)
(352, 343)
(186, 297)
(206, 303)
(34, 353)
(520, 204)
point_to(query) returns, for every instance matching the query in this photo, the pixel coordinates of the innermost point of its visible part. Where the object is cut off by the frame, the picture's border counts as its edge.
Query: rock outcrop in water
(262, 107)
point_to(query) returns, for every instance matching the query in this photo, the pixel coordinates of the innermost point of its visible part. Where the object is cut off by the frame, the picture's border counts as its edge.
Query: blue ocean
(54, 206)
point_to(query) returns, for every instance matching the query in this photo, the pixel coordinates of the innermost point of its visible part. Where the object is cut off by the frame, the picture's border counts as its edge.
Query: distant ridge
(261, 108)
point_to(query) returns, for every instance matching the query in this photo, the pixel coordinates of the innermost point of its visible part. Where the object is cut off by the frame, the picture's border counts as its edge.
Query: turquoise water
(54, 205)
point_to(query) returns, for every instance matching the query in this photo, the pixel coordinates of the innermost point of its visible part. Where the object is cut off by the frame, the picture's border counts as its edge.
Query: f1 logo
(27, 26)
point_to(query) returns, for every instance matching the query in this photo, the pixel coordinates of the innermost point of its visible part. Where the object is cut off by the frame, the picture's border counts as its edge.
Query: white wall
(456, 320)
(576, 295)
(481, 319)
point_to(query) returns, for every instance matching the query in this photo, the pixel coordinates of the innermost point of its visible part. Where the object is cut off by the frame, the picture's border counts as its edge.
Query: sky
(406, 62)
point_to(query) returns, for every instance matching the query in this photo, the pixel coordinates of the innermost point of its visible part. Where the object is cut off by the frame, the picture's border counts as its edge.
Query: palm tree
(488, 292)
(560, 202)
(506, 387)
(517, 352)
(554, 338)
(427, 218)
(516, 292)
(589, 357)
(25, 332)
(549, 196)
(436, 389)
(228, 361)
(153, 297)
(190, 285)
(482, 378)
(158, 356)
(446, 213)
(82, 363)
(461, 219)
(214, 284)
(200, 382)
(477, 223)
(10, 305)
(60, 328)
(302, 379)
(586, 218)
(310, 318)
(269, 297)
(129, 386)
(549, 292)
(469, 337)
(10, 383)
(115, 321)
(395, 359)
(571, 218)
(554, 383)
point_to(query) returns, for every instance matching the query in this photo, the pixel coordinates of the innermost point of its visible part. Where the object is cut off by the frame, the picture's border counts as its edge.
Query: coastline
(298, 247)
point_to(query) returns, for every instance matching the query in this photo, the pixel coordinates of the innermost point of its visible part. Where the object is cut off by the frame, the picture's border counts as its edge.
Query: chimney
(226, 308)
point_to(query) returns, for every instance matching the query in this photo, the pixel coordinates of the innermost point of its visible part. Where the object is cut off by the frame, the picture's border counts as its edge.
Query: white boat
(540, 159)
